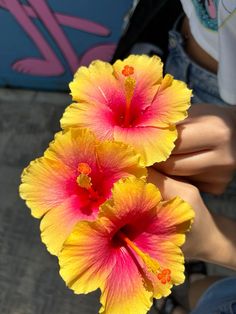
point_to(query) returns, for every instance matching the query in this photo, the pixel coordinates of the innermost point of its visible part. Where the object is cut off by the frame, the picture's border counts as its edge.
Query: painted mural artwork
(45, 27)
(207, 13)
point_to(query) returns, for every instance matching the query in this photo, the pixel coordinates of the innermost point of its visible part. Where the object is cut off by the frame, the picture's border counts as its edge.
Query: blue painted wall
(21, 50)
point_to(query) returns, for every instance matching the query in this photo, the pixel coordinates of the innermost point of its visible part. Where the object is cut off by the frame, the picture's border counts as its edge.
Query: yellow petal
(120, 157)
(172, 259)
(95, 84)
(126, 290)
(97, 119)
(153, 144)
(141, 196)
(147, 70)
(42, 185)
(171, 102)
(85, 260)
(178, 214)
(66, 147)
(58, 223)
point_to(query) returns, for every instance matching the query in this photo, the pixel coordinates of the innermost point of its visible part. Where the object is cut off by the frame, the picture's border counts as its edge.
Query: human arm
(212, 238)
(205, 150)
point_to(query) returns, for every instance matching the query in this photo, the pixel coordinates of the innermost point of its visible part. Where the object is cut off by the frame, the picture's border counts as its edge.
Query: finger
(213, 188)
(194, 137)
(212, 176)
(170, 188)
(202, 129)
(165, 184)
(200, 111)
(188, 164)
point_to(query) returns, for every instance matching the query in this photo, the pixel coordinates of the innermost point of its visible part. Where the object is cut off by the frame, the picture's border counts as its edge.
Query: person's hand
(211, 238)
(205, 151)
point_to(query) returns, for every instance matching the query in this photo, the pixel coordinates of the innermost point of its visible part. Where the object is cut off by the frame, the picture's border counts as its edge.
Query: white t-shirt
(213, 25)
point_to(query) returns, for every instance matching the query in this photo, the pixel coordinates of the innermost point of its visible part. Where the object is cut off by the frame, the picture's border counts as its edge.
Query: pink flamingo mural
(211, 8)
(49, 64)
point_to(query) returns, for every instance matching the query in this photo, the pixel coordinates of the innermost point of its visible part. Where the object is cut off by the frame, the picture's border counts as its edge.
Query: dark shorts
(220, 298)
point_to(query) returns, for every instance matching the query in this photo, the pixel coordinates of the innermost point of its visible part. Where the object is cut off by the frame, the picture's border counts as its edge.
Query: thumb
(170, 187)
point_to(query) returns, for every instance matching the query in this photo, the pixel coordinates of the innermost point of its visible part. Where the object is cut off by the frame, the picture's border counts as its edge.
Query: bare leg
(50, 65)
(49, 20)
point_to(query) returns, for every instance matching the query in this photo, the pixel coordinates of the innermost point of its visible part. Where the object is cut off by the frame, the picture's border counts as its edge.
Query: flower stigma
(84, 168)
(164, 275)
(127, 70)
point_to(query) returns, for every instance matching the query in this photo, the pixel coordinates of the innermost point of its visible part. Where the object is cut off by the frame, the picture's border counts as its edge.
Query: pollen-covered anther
(164, 276)
(84, 168)
(129, 91)
(84, 180)
(129, 88)
(127, 70)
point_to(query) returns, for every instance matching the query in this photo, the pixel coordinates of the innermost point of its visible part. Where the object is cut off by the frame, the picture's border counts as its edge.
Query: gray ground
(29, 280)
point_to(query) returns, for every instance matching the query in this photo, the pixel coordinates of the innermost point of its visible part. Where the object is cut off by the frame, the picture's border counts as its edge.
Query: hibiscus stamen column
(152, 264)
(84, 180)
(129, 91)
